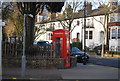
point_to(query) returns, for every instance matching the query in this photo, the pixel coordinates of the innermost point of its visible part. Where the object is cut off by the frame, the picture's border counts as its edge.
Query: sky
(95, 3)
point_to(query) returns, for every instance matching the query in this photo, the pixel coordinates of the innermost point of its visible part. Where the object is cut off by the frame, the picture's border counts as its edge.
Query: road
(90, 71)
(106, 61)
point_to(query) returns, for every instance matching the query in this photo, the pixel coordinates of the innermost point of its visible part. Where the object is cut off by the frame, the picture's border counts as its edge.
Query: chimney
(113, 4)
(89, 6)
(52, 16)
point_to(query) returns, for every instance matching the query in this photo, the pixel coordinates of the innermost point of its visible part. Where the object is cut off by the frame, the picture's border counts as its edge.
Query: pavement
(42, 74)
(97, 68)
(89, 71)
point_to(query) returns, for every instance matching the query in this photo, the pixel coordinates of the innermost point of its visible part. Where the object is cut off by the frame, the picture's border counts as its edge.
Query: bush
(77, 44)
(98, 49)
(114, 52)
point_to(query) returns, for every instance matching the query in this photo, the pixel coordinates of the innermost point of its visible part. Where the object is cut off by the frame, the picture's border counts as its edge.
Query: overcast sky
(95, 3)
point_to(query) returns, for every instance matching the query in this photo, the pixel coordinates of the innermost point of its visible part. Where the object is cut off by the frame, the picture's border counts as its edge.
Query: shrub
(77, 44)
(114, 52)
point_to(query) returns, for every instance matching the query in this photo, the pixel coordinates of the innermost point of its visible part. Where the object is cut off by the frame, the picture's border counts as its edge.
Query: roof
(96, 12)
(60, 30)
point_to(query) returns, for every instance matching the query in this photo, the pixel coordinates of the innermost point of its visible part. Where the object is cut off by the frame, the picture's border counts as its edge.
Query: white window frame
(118, 34)
(114, 34)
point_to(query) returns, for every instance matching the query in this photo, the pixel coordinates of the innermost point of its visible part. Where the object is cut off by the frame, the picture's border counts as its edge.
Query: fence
(11, 49)
(15, 50)
(42, 52)
(40, 57)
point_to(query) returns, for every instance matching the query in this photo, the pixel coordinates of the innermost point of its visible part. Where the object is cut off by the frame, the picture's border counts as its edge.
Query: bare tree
(107, 9)
(39, 31)
(69, 15)
(7, 9)
(33, 8)
(17, 19)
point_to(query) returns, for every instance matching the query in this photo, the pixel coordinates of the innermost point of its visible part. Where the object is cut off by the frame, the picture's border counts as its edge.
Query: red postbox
(61, 45)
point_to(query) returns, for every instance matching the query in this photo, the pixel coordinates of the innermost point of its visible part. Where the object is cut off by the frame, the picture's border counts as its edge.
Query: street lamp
(24, 46)
(1, 24)
(84, 62)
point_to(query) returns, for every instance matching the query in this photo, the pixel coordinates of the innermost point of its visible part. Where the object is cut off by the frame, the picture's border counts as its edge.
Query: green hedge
(77, 44)
(114, 52)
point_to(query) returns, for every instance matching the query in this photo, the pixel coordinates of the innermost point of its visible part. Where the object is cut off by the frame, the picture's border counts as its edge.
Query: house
(114, 25)
(94, 27)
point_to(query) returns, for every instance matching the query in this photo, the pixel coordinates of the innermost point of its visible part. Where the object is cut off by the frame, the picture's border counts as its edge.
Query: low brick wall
(43, 63)
(11, 62)
(46, 63)
(73, 61)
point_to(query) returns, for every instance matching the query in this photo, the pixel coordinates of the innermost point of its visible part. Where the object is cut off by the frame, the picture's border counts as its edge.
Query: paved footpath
(89, 71)
(15, 73)
(97, 68)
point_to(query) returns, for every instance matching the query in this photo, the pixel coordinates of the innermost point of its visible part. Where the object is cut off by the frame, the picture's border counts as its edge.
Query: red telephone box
(61, 45)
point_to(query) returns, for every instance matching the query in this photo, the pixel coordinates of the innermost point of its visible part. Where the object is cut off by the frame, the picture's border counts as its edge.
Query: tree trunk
(103, 42)
(29, 34)
(105, 34)
(108, 34)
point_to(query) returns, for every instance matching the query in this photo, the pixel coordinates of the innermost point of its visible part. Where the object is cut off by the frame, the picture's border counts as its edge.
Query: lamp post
(1, 24)
(24, 46)
(0, 41)
(84, 62)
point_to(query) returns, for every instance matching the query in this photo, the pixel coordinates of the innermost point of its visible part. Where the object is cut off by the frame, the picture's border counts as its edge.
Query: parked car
(42, 43)
(98, 49)
(81, 56)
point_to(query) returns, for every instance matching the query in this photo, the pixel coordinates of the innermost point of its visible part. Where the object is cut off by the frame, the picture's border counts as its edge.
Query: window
(49, 36)
(114, 3)
(51, 25)
(78, 36)
(92, 22)
(90, 34)
(114, 33)
(88, 23)
(112, 19)
(78, 22)
(101, 36)
(112, 48)
(118, 33)
(119, 48)
(59, 25)
(86, 34)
